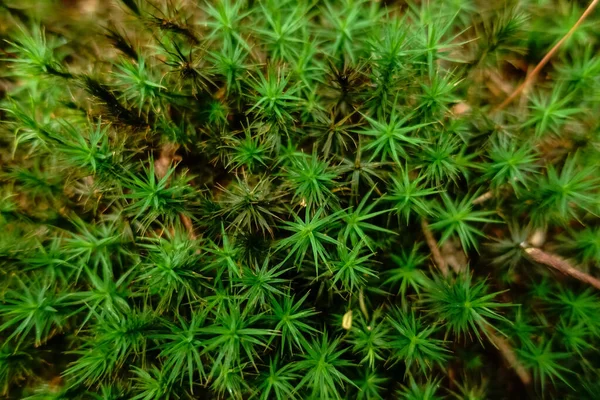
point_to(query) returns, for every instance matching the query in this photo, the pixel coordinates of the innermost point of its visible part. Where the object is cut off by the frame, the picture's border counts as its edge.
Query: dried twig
(161, 167)
(433, 247)
(500, 343)
(531, 76)
(489, 194)
(509, 355)
(454, 256)
(560, 264)
(484, 197)
(165, 159)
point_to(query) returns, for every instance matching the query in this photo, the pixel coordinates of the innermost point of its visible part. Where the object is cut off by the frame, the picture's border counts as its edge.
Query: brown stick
(531, 76)
(161, 166)
(165, 159)
(509, 355)
(488, 195)
(454, 256)
(484, 197)
(500, 343)
(433, 247)
(560, 264)
(189, 226)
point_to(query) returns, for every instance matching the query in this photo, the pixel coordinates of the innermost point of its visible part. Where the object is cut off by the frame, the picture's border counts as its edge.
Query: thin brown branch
(559, 264)
(531, 76)
(489, 194)
(165, 158)
(454, 256)
(187, 222)
(433, 247)
(509, 355)
(484, 197)
(500, 343)
(161, 166)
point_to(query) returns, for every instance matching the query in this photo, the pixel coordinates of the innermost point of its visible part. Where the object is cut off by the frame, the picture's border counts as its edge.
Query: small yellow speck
(347, 320)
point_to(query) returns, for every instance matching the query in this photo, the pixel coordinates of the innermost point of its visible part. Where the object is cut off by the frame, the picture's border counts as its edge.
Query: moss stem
(531, 76)
(433, 247)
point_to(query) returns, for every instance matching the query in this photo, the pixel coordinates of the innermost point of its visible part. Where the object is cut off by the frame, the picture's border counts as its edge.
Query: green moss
(242, 199)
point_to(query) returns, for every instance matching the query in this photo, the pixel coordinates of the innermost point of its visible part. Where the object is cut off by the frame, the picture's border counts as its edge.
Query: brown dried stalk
(454, 256)
(531, 76)
(559, 264)
(509, 355)
(484, 197)
(433, 247)
(500, 343)
(161, 165)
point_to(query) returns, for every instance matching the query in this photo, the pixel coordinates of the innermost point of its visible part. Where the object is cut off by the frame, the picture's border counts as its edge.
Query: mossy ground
(299, 199)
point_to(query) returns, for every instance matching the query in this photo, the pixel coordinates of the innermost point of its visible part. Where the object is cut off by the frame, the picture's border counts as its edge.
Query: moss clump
(290, 200)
